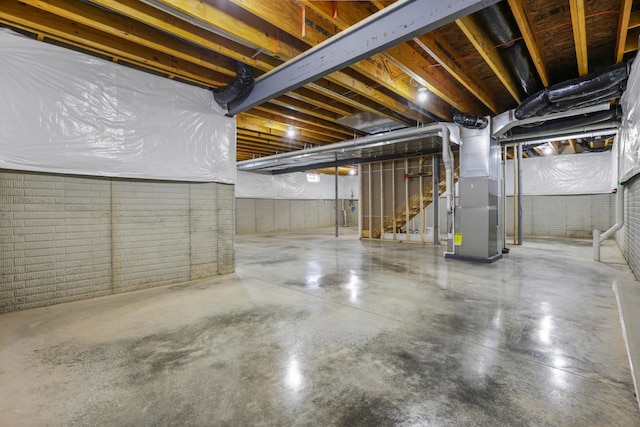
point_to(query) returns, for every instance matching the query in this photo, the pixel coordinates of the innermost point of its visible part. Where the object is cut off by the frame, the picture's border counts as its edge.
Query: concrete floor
(317, 331)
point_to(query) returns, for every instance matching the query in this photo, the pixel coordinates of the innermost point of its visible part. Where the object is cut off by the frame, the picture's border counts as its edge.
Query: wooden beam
(580, 35)
(270, 139)
(572, 143)
(29, 18)
(632, 40)
(133, 31)
(335, 86)
(634, 19)
(155, 18)
(230, 20)
(304, 107)
(520, 13)
(623, 28)
(315, 96)
(439, 49)
(301, 119)
(260, 122)
(485, 48)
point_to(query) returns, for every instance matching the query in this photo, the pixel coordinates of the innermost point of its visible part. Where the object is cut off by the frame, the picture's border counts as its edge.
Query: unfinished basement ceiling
(465, 65)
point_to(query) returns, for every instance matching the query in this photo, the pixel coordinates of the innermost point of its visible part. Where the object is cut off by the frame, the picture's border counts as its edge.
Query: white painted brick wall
(267, 215)
(203, 230)
(628, 237)
(65, 238)
(574, 216)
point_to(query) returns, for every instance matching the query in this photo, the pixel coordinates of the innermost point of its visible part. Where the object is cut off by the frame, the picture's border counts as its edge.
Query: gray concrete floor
(320, 331)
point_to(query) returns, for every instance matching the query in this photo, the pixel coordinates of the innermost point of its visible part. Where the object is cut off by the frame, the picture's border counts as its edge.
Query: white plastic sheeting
(588, 173)
(629, 133)
(67, 112)
(295, 185)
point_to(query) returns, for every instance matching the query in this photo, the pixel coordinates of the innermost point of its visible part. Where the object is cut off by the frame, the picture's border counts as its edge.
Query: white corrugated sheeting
(67, 112)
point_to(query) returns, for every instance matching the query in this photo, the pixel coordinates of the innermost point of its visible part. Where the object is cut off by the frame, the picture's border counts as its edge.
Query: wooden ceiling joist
(301, 120)
(483, 44)
(440, 50)
(580, 35)
(133, 31)
(521, 15)
(623, 28)
(23, 16)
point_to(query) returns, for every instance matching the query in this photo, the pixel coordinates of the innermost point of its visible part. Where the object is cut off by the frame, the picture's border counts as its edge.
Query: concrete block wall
(267, 215)
(571, 216)
(66, 238)
(628, 238)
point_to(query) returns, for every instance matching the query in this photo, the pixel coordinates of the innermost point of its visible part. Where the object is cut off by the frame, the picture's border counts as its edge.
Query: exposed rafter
(519, 10)
(485, 48)
(580, 35)
(57, 28)
(623, 28)
(440, 50)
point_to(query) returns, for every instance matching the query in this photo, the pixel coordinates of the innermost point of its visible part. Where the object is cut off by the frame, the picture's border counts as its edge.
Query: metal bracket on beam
(389, 27)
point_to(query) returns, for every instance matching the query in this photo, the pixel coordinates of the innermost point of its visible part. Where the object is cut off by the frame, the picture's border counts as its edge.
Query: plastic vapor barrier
(587, 173)
(295, 185)
(629, 133)
(67, 112)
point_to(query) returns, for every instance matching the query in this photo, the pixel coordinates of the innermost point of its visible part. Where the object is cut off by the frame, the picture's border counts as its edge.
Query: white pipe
(599, 238)
(449, 166)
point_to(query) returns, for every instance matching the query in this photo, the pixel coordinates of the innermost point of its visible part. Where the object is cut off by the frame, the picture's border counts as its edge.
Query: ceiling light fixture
(291, 132)
(352, 171)
(423, 94)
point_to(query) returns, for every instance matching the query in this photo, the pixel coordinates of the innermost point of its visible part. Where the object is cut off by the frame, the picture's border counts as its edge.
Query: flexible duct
(573, 104)
(497, 21)
(586, 86)
(576, 93)
(238, 89)
(584, 143)
(470, 121)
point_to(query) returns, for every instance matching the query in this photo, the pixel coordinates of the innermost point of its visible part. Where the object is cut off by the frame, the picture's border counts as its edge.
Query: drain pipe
(597, 237)
(449, 166)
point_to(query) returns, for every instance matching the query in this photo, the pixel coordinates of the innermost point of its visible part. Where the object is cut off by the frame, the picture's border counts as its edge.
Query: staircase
(415, 205)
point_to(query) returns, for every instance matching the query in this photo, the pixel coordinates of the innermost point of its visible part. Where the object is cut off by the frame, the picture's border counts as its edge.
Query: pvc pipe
(599, 238)
(447, 159)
